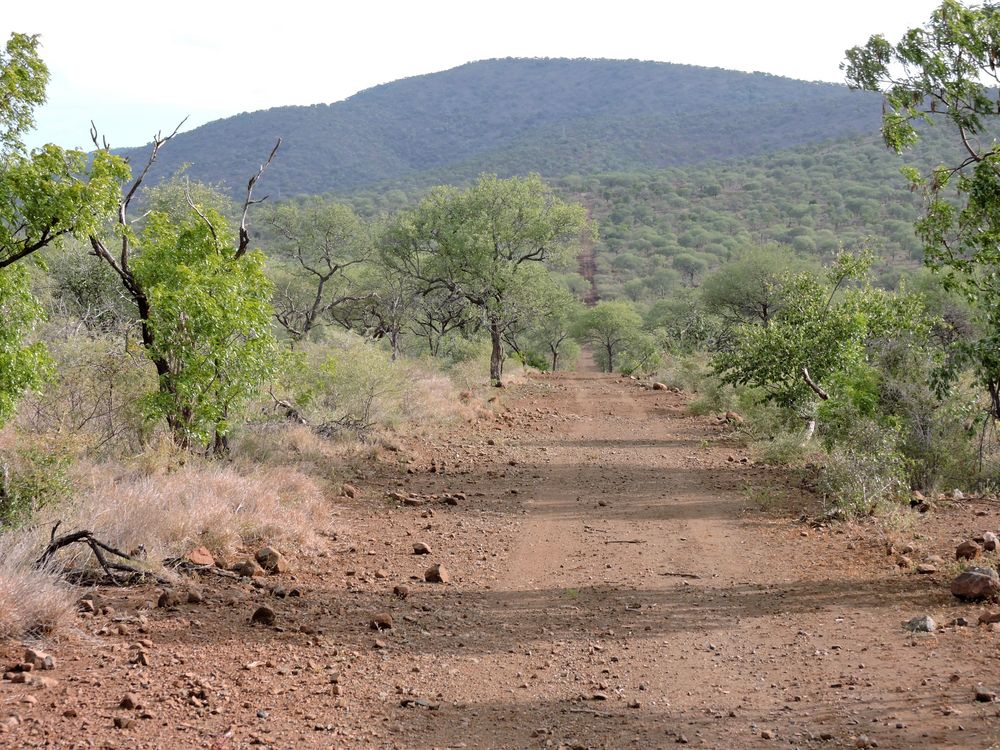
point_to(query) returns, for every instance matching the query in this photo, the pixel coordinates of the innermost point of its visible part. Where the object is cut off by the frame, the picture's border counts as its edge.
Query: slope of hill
(512, 116)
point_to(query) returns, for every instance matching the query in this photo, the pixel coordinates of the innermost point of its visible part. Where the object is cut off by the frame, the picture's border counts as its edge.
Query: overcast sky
(138, 67)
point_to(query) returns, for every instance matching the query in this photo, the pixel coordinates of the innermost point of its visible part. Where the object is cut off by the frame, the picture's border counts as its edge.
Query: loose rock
(437, 574)
(38, 659)
(199, 556)
(967, 551)
(381, 621)
(976, 584)
(401, 591)
(263, 616)
(419, 548)
(921, 624)
(990, 541)
(247, 568)
(129, 701)
(985, 696)
(168, 598)
(271, 560)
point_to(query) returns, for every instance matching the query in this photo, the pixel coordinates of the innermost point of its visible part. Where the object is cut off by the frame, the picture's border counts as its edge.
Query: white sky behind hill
(137, 67)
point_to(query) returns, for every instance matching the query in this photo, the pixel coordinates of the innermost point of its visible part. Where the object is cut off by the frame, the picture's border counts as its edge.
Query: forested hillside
(512, 116)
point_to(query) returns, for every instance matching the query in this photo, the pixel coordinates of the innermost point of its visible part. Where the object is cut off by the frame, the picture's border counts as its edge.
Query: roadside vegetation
(182, 369)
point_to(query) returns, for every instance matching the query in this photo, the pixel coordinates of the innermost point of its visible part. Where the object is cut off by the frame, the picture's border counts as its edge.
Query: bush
(865, 474)
(31, 478)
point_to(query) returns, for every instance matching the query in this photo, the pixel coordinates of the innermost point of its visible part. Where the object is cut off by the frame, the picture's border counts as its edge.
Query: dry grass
(215, 505)
(33, 602)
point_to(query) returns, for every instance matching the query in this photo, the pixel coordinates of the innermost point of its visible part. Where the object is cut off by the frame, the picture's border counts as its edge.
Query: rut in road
(642, 606)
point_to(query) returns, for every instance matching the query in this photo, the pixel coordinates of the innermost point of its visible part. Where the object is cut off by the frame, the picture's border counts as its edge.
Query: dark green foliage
(516, 116)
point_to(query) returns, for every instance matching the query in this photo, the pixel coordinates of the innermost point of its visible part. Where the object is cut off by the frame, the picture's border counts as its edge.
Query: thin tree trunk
(496, 356)
(394, 343)
(611, 361)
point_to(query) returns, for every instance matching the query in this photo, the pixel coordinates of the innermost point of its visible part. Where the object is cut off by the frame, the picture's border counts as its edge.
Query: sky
(138, 68)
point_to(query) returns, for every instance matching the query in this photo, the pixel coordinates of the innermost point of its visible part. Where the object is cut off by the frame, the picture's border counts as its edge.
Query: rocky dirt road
(619, 578)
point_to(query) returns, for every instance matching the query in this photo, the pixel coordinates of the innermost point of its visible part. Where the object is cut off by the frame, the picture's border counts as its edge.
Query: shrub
(866, 473)
(32, 477)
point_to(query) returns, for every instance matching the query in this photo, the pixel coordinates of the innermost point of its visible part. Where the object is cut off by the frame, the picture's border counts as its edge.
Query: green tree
(478, 243)
(323, 243)
(45, 195)
(821, 339)
(611, 326)
(946, 71)
(748, 289)
(202, 301)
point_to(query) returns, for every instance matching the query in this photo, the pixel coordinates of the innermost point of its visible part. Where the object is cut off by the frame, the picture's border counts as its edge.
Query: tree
(947, 71)
(202, 301)
(820, 338)
(610, 326)
(325, 242)
(45, 195)
(748, 289)
(478, 242)
(552, 329)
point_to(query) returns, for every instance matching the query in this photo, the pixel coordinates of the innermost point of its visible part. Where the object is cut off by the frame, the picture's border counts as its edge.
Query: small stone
(168, 598)
(985, 696)
(247, 568)
(199, 556)
(988, 618)
(659, 386)
(271, 560)
(381, 621)
(863, 742)
(921, 624)
(990, 541)
(263, 616)
(401, 591)
(129, 701)
(194, 596)
(45, 682)
(967, 551)
(976, 584)
(957, 494)
(419, 548)
(381, 573)
(960, 622)
(926, 569)
(70, 713)
(39, 659)
(634, 704)
(349, 490)
(766, 734)
(124, 722)
(437, 574)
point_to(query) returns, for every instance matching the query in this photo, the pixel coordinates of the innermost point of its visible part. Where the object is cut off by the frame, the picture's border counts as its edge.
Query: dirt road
(619, 578)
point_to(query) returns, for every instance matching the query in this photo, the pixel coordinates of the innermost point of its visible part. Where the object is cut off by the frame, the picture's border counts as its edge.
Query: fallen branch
(680, 575)
(624, 541)
(589, 711)
(101, 552)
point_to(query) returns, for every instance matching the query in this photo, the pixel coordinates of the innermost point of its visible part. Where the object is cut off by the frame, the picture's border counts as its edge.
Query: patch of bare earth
(618, 578)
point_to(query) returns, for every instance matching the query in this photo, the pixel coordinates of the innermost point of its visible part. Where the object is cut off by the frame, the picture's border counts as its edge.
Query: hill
(513, 116)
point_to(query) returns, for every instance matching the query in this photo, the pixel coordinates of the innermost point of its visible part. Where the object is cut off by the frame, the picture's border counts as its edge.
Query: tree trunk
(496, 356)
(611, 353)
(555, 357)
(394, 343)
